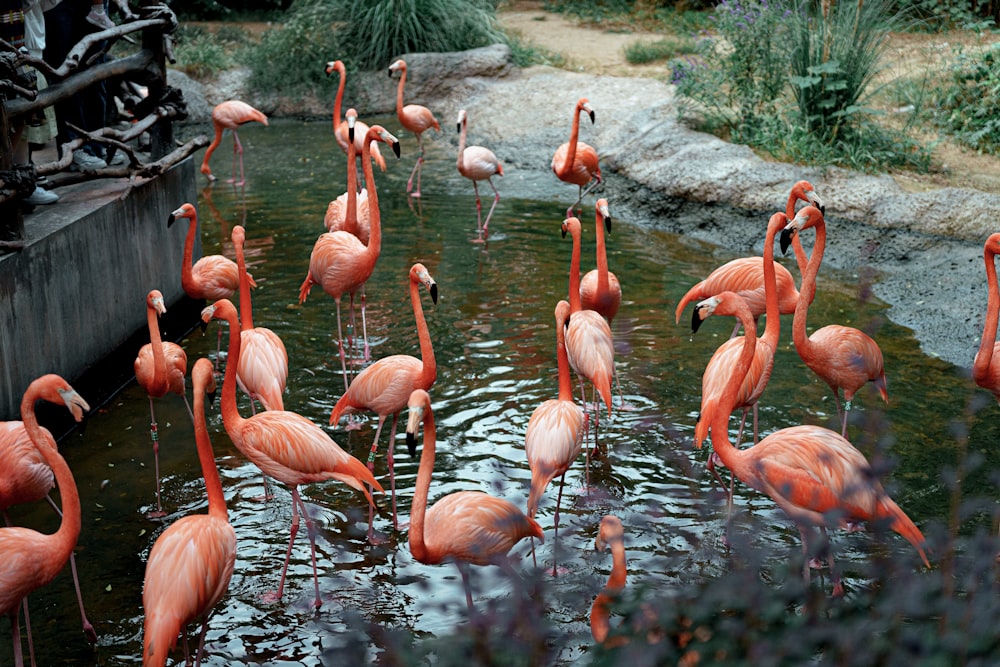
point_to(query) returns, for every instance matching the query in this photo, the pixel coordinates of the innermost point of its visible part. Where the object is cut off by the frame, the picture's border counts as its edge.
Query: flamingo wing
(339, 264)
(849, 358)
(584, 167)
(214, 277)
(480, 163)
(553, 440)
(591, 350)
(263, 368)
(383, 388)
(717, 375)
(745, 276)
(418, 119)
(24, 474)
(605, 302)
(475, 527)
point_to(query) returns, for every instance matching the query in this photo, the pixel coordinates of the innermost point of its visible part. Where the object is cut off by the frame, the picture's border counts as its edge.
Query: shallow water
(493, 335)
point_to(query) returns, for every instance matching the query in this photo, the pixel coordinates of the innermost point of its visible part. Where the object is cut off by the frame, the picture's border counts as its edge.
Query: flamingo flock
(811, 473)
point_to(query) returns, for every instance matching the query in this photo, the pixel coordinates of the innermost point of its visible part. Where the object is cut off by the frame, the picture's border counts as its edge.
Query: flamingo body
(415, 118)
(599, 288)
(576, 162)
(744, 276)
(212, 277)
(477, 163)
(340, 129)
(230, 115)
(986, 366)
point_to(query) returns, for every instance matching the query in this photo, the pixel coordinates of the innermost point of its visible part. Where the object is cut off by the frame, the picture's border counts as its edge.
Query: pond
(494, 338)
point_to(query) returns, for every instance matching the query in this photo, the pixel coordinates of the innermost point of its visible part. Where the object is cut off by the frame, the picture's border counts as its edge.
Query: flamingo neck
(399, 94)
(562, 360)
(720, 425)
(188, 259)
(351, 215)
(772, 329)
(213, 485)
(603, 281)
(807, 291)
(374, 215)
(600, 612)
(231, 418)
(801, 259)
(429, 370)
(69, 527)
(156, 347)
(205, 169)
(460, 163)
(338, 100)
(246, 305)
(567, 165)
(423, 485)
(575, 303)
(984, 358)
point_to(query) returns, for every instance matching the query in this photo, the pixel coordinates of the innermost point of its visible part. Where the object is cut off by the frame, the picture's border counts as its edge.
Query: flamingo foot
(402, 526)
(557, 570)
(156, 514)
(376, 538)
(270, 597)
(353, 426)
(89, 631)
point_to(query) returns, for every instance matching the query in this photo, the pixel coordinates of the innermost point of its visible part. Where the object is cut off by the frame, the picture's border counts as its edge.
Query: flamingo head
(420, 275)
(571, 226)
(379, 133)
(186, 211)
(155, 301)
(805, 191)
(992, 246)
(203, 375)
(810, 216)
(602, 210)
(334, 66)
(351, 116)
(461, 119)
(220, 310)
(702, 311)
(585, 106)
(399, 65)
(419, 403)
(610, 531)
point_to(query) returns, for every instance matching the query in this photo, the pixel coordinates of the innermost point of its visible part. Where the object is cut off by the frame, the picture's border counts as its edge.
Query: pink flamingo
(554, 436)
(611, 534)
(415, 118)
(478, 164)
(589, 344)
(340, 129)
(350, 212)
(160, 368)
(386, 385)
(192, 561)
(986, 367)
(745, 275)
(32, 559)
(720, 367)
(465, 526)
(263, 369)
(575, 162)
(599, 288)
(25, 477)
(339, 262)
(809, 471)
(284, 445)
(212, 277)
(230, 116)
(843, 357)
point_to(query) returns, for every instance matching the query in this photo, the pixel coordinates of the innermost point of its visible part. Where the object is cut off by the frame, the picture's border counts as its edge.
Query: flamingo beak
(433, 289)
(411, 443)
(696, 319)
(786, 239)
(607, 223)
(395, 148)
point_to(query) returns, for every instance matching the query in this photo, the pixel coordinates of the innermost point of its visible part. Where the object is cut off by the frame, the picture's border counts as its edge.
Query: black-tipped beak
(350, 133)
(395, 148)
(592, 117)
(411, 443)
(211, 397)
(434, 292)
(607, 224)
(204, 326)
(786, 239)
(822, 209)
(458, 128)
(696, 320)
(564, 233)
(171, 219)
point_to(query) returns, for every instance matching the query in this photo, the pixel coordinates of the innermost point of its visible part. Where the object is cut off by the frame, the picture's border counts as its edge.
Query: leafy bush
(970, 102)
(639, 53)
(374, 32)
(290, 57)
(200, 54)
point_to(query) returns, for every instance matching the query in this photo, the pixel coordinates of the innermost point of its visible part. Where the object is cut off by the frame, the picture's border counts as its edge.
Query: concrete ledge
(76, 292)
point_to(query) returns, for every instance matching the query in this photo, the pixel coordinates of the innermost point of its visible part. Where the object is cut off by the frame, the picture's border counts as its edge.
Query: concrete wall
(77, 291)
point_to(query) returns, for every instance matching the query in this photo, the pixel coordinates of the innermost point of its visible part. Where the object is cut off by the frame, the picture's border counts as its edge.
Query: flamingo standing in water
(340, 263)
(284, 445)
(599, 288)
(465, 526)
(589, 344)
(160, 368)
(809, 471)
(263, 369)
(340, 128)
(25, 477)
(230, 116)
(745, 275)
(611, 535)
(843, 357)
(478, 164)
(722, 364)
(415, 118)
(32, 559)
(385, 386)
(554, 436)
(575, 162)
(192, 561)
(986, 367)
(351, 212)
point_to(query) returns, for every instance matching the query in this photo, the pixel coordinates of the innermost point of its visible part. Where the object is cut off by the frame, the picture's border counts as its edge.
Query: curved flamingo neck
(351, 215)
(419, 507)
(69, 527)
(575, 303)
(567, 165)
(374, 215)
(399, 94)
(246, 305)
(984, 358)
(231, 418)
(156, 347)
(807, 290)
(772, 329)
(188, 259)
(206, 456)
(801, 259)
(562, 361)
(337, 101)
(429, 369)
(603, 281)
(205, 169)
(460, 163)
(727, 401)
(600, 613)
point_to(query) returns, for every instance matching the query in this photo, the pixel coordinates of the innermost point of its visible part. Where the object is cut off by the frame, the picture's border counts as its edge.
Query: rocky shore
(924, 249)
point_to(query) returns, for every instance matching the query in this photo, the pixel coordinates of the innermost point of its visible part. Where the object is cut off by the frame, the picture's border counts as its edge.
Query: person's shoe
(100, 19)
(84, 160)
(41, 196)
(119, 159)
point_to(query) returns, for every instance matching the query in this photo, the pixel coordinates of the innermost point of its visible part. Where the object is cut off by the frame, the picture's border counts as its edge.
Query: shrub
(640, 53)
(290, 57)
(201, 54)
(374, 32)
(970, 101)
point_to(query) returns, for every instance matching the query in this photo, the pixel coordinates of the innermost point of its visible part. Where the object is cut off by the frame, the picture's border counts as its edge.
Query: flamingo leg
(201, 641)
(274, 597)
(364, 326)
(88, 629)
(353, 337)
(340, 348)
(416, 169)
(154, 435)
(237, 152)
(463, 569)
(16, 638)
(371, 466)
(392, 473)
(311, 532)
(555, 533)
(479, 211)
(496, 200)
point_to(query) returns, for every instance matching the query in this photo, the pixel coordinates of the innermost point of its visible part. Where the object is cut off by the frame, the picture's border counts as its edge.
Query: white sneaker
(119, 159)
(100, 19)
(84, 160)
(41, 196)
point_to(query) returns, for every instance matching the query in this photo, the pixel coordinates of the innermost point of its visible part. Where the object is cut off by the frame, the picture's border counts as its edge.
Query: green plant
(526, 53)
(970, 102)
(639, 53)
(376, 31)
(290, 58)
(200, 54)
